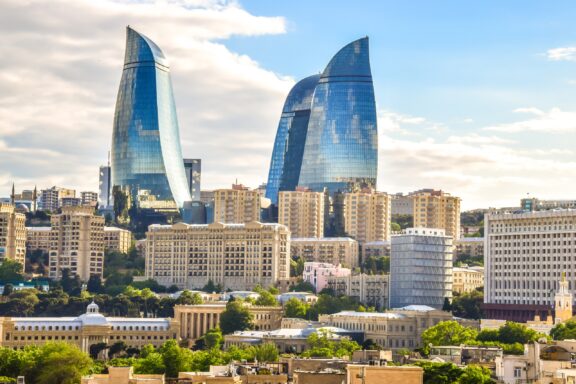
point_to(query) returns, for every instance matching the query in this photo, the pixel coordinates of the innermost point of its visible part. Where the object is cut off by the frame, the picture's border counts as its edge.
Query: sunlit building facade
(146, 153)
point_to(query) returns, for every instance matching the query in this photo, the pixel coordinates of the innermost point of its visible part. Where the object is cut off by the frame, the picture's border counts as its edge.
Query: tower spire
(13, 195)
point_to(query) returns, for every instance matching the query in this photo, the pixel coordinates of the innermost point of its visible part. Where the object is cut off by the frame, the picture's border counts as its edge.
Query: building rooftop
(318, 239)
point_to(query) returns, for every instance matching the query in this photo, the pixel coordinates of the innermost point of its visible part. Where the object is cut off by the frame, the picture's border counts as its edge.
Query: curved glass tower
(146, 154)
(341, 151)
(290, 139)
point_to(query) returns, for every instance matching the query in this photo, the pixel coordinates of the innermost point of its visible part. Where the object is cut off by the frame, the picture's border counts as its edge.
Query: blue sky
(475, 98)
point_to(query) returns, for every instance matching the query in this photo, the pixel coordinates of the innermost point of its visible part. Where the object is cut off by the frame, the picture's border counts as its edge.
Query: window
(517, 372)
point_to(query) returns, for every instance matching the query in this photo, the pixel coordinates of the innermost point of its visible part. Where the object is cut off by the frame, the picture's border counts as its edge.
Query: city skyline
(483, 113)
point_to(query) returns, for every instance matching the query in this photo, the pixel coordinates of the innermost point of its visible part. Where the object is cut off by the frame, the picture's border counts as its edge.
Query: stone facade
(302, 212)
(236, 205)
(371, 290)
(117, 239)
(467, 279)
(333, 250)
(12, 234)
(367, 216)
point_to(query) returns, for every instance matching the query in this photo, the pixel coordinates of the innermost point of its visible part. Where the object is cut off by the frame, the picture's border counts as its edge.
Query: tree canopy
(236, 317)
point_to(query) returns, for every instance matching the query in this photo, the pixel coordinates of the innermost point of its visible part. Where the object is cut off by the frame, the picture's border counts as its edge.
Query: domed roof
(93, 315)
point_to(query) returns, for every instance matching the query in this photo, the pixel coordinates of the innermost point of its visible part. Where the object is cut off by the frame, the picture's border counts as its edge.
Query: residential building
(70, 202)
(333, 250)
(437, 209)
(374, 374)
(87, 329)
(146, 157)
(534, 204)
(196, 320)
(117, 239)
(469, 246)
(421, 268)
(77, 243)
(371, 290)
(367, 216)
(318, 274)
(236, 205)
(305, 297)
(122, 375)
(393, 329)
(302, 211)
(466, 279)
(401, 204)
(313, 146)
(38, 238)
(105, 187)
(193, 169)
(525, 256)
(237, 256)
(12, 234)
(89, 198)
(376, 249)
(51, 198)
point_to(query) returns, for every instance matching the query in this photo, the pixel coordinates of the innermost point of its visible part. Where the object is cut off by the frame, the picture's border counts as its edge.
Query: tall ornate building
(367, 216)
(236, 205)
(327, 135)
(77, 243)
(146, 153)
(12, 234)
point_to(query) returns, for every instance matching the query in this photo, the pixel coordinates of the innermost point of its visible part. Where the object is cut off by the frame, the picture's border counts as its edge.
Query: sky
(474, 98)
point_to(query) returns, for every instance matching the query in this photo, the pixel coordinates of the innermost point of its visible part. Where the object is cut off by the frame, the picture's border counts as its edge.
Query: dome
(92, 308)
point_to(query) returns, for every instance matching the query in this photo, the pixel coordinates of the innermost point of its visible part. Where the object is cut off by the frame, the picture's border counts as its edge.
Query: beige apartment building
(87, 329)
(77, 243)
(333, 250)
(196, 320)
(398, 328)
(437, 209)
(469, 246)
(467, 279)
(302, 211)
(370, 290)
(367, 216)
(236, 205)
(12, 234)
(238, 256)
(38, 238)
(525, 257)
(117, 239)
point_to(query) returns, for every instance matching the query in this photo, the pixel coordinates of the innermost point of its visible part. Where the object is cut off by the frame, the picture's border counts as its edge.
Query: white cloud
(58, 87)
(553, 121)
(562, 54)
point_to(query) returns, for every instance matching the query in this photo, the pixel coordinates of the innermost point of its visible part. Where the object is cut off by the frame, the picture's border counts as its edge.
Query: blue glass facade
(327, 136)
(341, 151)
(146, 153)
(290, 139)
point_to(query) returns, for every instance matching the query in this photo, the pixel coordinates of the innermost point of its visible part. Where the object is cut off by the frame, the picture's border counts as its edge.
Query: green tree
(189, 298)
(60, 363)
(116, 348)
(511, 333)
(213, 338)
(475, 374)
(176, 359)
(236, 317)
(447, 333)
(266, 299)
(565, 330)
(8, 289)
(303, 286)
(395, 227)
(11, 270)
(121, 204)
(440, 373)
(297, 267)
(94, 284)
(95, 349)
(468, 305)
(266, 352)
(295, 308)
(447, 306)
(210, 287)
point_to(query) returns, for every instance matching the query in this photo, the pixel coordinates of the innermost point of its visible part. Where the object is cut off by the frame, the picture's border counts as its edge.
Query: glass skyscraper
(335, 143)
(146, 154)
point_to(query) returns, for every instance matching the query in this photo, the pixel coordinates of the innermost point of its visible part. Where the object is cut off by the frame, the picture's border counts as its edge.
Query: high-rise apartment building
(12, 234)
(146, 154)
(117, 239)
(38, 238)
(52, 198)
(367, 216)
(89, 198)
(236, 205)
(77, 243)
(421, 268)
(370, 290)
(437, 209)
(525, 256)
(193, 169)
(302, 211)
(334, 250)
(323, 140)
(238, 256)
(104, 187)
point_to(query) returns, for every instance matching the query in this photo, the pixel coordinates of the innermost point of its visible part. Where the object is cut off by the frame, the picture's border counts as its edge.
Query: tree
(176, 359)
(70, 285)
(266, 352)
(121, 204)
(213, 338)
(94, 284)
(11, 270)
(266, 299)
(447, 333)
(295, 308)
(303, 286)
(116, 348)
(562, 331)
(236, 317)
(60, 363)
(210, 287)
(320, 344)
(8, 289)
(468, 305)
(395, 227)
(189, 298)
(296, 267)
(475, 374)
(440, 373)
(510, 333)
(447, 306)
(95, 349)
